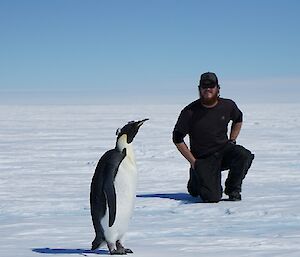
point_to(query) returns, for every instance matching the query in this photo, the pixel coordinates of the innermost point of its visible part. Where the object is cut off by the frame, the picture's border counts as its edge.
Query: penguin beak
(141, 122)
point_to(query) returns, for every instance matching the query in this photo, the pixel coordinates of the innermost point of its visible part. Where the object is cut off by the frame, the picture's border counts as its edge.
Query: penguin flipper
(111, 170)
(110, 195)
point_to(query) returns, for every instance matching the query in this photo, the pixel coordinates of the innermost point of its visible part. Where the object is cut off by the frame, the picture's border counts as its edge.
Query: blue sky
(70, 51)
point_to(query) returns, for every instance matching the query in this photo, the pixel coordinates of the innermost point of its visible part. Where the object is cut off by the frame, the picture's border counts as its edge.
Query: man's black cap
(208, 79)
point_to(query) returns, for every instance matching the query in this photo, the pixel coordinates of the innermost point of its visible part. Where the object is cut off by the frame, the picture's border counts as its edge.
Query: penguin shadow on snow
(70, 251)
(184, 198)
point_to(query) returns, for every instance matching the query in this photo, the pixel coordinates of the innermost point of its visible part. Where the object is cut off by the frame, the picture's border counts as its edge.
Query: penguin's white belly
(125, 186)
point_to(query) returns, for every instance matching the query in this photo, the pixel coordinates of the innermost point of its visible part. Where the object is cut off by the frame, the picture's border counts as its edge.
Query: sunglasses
(207, 86)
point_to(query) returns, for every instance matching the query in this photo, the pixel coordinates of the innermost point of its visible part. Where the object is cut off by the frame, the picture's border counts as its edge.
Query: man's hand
(185, 151)
(232, 141)
(193, 164)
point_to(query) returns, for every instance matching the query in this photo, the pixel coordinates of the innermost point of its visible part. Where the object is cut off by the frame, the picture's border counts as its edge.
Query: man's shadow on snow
(184, 198)
(69, 251)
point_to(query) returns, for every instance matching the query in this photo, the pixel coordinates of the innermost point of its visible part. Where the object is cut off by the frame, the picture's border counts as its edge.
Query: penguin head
(130, 130)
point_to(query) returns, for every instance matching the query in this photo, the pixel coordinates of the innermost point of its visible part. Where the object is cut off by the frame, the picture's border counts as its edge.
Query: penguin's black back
(102, 189)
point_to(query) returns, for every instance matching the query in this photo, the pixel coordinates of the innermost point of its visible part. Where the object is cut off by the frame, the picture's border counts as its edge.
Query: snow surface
(48, 156)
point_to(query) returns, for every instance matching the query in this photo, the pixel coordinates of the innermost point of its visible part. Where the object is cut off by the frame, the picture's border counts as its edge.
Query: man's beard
(209, 101)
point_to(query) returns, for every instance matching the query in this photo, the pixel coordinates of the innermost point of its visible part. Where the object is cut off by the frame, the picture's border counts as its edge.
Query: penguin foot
(127, 250)
(113, 251)
(120, 249)
(117, 252)
(123, 251)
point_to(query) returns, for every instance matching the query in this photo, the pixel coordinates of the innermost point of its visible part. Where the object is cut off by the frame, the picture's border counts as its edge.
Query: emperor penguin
(113, 191)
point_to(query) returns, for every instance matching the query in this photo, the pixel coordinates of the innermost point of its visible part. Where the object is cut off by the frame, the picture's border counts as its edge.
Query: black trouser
(205, 178)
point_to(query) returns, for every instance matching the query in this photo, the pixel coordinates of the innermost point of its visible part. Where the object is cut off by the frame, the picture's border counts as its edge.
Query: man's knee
(192, 185)
(211, 199)
(211, 196)
(244, 155)
(241, 151)
(192, 189)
